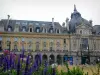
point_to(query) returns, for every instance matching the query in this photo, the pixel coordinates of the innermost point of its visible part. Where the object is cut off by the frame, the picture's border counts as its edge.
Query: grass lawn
(86, 68)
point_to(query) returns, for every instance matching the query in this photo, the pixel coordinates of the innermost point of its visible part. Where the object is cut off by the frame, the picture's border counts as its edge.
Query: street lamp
(88, 53)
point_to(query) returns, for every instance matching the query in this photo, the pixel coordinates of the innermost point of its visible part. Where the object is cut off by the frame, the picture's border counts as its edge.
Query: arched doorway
(44, 58)
(38, 59)
(51, 59)
(59, 59)
(65, 58)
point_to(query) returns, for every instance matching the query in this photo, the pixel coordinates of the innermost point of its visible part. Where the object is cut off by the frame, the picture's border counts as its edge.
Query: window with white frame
(9, 29)
(37, 29)
(51, 31)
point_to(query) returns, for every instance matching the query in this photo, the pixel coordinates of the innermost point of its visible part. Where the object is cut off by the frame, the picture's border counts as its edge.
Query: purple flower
(26, 68)
(18, 67)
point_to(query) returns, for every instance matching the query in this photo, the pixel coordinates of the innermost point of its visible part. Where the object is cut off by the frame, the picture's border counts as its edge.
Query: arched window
(80, 31)
(23, 29)
(37, 29)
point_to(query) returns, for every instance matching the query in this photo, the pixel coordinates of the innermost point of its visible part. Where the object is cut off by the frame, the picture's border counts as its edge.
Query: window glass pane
(0, 38)
(23, 39)
(9, 29)
(37, 30)
(23, 29)
(15, 39)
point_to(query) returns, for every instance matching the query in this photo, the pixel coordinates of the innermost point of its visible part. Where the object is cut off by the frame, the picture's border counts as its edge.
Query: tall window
(8, 43)
(44, 44)
(64, 41)
(23, 43)
(15, 43)
(64, 44)
(37, 45)
(84, 42)
(51, 45)
(58, 44)
(30, 44)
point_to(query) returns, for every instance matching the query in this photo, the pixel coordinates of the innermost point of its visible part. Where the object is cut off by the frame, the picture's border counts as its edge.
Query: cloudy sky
(45, 10)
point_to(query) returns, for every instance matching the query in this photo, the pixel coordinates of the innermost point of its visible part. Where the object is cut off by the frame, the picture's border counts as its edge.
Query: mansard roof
(26, 23)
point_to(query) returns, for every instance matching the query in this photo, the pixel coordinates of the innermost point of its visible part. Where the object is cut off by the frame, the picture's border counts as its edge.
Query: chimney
(53, 22)
(8, 20)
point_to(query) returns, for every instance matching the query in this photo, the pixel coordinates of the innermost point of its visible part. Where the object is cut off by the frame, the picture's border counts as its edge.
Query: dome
(76, 20)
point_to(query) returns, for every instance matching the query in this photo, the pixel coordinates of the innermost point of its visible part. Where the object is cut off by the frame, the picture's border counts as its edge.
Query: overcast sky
(45, 10)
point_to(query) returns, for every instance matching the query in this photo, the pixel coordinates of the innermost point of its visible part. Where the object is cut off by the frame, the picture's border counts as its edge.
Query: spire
(75, 8)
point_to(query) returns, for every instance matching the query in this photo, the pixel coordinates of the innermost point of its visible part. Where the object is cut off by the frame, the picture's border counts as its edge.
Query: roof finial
(75, 8)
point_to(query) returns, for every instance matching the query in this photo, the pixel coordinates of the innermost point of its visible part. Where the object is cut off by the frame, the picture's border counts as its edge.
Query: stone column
(55, 57)
(62, 60)
(48, 59)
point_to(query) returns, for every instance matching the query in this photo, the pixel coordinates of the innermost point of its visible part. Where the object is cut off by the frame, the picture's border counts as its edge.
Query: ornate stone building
(76, 38)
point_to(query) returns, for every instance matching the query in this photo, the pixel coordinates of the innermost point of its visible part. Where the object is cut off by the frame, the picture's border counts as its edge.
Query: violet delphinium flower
(10, 61)
(53, 71)
(40, 59)
(45, 69)
(26, 68)
(7, 62)
(18, 67)
(4, 64)
(34, 67)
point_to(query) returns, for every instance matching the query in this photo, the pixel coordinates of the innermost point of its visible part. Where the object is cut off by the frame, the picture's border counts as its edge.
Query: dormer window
(51, 31)
(37, 29)
(37, 23)
(23, 29)
(57, 30)
(9, 28)
(80, 31)
(30, 29)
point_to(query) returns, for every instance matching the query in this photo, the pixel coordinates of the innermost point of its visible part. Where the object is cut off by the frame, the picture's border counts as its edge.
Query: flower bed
(12, 64)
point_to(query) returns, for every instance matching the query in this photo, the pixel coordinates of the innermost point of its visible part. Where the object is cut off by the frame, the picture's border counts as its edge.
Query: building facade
(76, 38)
